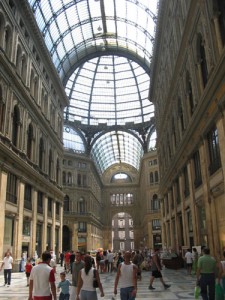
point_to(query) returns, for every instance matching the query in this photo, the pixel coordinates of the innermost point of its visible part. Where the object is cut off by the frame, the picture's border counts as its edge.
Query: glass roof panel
(102, 51)
(117, 147)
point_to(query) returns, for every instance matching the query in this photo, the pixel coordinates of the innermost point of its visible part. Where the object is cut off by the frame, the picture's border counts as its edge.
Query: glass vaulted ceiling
(102, 51)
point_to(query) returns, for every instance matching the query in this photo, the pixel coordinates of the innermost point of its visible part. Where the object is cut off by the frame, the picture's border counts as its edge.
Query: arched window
(66, 203)
(57, 171)
(155, 202)
(15, 127)
(180, 114)
(2, 29)
(221, 10)
(202, 59)
(79, 179)
(69, 178)
(64, 177)
(24, 68)
(41, 153)
(151, 178)
(50, 163)
(156, 176)
(8, 41)
(30, 138)
(2, 110)
(190, 93)
(81, 205)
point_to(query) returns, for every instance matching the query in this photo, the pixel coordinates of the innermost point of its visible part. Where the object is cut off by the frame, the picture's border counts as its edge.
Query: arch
(66, 238)
(15, 125)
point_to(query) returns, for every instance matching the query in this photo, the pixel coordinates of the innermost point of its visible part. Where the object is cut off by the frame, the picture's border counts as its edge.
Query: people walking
(7, 264)
(85, 288)
(206, 275)
(156, 270)
(127, 275)
(78, 264)
(42, 280)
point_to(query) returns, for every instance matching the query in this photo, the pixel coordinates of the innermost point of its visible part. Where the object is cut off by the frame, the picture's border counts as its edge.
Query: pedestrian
(42, 280)
(85, 288)
(110, 258)
(195, 260)
(28, 268)
(206, 275)
(7, 264)
(72, 259)
(222, 272)
(188, 257)
(137, 260)
(67, 261)
(64, 285)
(61, 258)
(78, 264)
(156, 270)
(127, 275)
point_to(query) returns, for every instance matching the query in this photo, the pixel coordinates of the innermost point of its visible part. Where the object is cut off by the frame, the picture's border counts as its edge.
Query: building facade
(188, 90)
(31, 150)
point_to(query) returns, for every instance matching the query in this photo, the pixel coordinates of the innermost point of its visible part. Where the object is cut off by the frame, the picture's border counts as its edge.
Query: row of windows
(11, 196)
(214, 163)
(31, 79)
(122, 199)
(68, 179)
(70, 163)
(192, 81)
(36, 152)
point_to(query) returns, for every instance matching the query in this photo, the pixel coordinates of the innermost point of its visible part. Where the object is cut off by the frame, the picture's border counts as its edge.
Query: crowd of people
(128, 266)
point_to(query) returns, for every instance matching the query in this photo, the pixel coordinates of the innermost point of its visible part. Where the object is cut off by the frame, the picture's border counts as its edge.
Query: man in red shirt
(42, 280)
(67, 261)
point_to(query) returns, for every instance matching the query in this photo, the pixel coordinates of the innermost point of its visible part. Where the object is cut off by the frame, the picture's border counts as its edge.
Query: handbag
(219, 292)
(95, 281)
(197, 292)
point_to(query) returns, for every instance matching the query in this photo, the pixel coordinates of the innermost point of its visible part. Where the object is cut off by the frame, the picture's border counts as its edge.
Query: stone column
(34, 222)
(53, 226)
(19, 226)
(3, 185)
(45, 223)
(74, 236)
(60, 227)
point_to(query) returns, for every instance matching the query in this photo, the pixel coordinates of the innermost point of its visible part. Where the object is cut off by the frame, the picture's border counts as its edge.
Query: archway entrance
(122, 232)
(66, 238)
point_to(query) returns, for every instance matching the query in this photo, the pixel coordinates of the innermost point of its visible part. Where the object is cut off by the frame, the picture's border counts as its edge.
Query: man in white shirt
(188, 258)
(110, 258)
(127, 274)
(7, 264)
(42, 280)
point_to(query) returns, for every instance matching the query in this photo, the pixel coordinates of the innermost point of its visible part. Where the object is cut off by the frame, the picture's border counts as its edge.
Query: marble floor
(182, 286)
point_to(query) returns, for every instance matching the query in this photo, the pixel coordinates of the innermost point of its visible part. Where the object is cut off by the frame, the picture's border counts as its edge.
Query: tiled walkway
(182, 286)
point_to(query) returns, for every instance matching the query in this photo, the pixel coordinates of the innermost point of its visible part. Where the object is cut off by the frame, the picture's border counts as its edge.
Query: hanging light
(99, 28)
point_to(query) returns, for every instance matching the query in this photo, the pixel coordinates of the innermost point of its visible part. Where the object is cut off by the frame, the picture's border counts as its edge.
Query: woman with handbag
(88, 280)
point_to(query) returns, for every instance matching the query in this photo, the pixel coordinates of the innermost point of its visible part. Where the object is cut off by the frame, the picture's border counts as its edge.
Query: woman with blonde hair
(86, 277)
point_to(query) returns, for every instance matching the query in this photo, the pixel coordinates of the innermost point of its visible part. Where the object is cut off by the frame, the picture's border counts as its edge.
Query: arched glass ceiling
(102, 51)
(75, 29)
(117, 147)
(72, 140)
(111, 90)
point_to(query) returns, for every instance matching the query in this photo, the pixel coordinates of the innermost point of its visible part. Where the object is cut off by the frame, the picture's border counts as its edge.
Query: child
(64, 284)
(28, 268)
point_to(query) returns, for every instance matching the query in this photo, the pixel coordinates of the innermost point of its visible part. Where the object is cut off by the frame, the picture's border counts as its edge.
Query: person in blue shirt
(64, 285)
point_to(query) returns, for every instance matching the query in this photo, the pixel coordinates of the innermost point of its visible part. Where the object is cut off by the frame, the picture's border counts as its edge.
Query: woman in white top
(85, 289)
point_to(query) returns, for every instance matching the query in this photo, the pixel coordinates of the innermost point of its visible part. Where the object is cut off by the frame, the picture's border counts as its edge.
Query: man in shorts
(156, 270)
